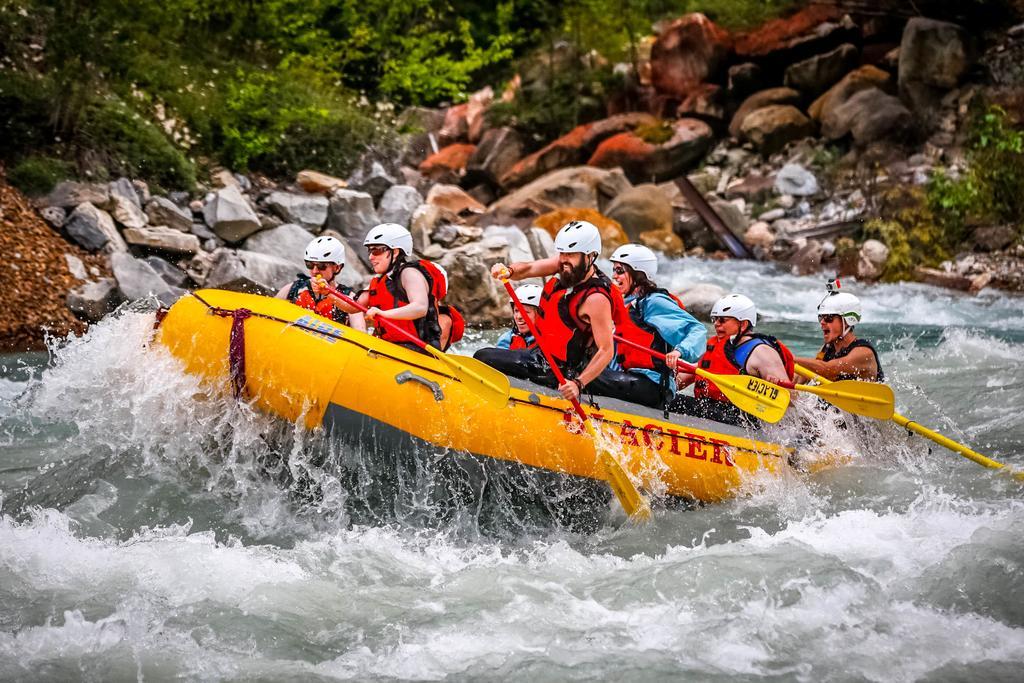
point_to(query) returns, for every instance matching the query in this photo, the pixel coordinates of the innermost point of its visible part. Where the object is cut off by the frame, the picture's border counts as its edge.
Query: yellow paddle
(487, 383)
(869, 399)
(750, 394)
(635, 505)
(909, 424)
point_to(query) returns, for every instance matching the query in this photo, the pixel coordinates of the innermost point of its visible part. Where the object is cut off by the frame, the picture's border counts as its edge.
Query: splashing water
(153, 528)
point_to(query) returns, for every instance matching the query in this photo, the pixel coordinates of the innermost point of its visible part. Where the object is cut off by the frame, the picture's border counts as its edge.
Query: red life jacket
(386, 292)
(458, 324)
(519, 341)
(720, 359)
(642, 333)
(567, 336)
(301, 294)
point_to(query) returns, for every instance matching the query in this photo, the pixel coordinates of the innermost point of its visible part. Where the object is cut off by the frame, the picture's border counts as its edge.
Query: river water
(139, 541)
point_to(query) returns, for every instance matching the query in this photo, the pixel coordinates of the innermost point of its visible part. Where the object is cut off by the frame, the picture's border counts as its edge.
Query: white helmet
(735, 306)
(578, 237)
(326, 250)
(842, 304)
(637, 257)
(529, 295)
(390, 235)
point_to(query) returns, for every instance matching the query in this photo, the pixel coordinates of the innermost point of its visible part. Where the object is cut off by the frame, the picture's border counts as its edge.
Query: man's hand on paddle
(569, 390)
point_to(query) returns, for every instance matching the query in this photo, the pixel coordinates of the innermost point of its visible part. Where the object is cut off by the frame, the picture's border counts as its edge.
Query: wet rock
(162, 211)
(54, 216)
(497, 153)
(871, 260)
(642, 161)
(640, 209)
(69, 195)
(863, 78)
(817, 74)
(93, 300)
(794, 179)
(162, 238)
(372, 177)
(573, 148)
(315, 182)
(579, 187)
(230, 216)
(700, 298)
(772, 128)
(612, 234)
(138, 280)
(351, 214)
(759, 100)
(287, 242)
(519, 248)
(448, 164)
(94, 229)
(306, 210)
(994, 237)
(688, 51)
(934, 56)
(249, 271)
(170, 273)
(398, 204)
(454, 199)
(665, 241)
(869, 115)
(471, 289)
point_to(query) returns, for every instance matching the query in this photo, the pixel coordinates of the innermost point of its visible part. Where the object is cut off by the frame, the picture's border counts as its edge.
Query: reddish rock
(315, 182)
(860, 79)
(497, 153)
(612, 234)
(456, 125)
(771, 128)
(476, 121)
(642, 161)
(689, 51)
(780, 34)
(759, 100)
(448, 162)
(454, 199)
(573, 148)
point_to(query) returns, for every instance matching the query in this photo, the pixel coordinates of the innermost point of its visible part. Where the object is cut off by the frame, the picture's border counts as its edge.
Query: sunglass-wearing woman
(325, 258)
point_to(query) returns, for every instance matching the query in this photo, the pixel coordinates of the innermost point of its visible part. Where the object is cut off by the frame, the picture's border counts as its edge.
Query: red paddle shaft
(387, 323)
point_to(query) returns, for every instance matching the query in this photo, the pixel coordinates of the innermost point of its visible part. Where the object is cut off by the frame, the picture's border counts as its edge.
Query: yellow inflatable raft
(300, 366)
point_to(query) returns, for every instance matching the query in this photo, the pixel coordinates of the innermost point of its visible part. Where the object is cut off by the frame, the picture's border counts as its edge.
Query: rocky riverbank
(795, 133)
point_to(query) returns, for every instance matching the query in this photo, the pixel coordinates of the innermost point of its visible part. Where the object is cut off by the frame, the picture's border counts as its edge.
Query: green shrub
(656, 133)
(38, 175)
(911, 231)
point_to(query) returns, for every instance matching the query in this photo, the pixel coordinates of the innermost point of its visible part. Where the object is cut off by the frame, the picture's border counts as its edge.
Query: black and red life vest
(520, 341)
(386, 293)
(721, 358)
(645, 334)
(301, 294)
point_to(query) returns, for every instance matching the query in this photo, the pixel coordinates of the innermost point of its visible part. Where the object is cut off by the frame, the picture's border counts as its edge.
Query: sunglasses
(377, 249)
(717, 319)
(317, 265)
(618, 270)
(828, 318)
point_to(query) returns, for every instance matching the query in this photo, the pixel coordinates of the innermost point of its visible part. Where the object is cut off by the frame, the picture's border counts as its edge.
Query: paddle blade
(484, 381)
(635, 504)
(860, 398)
(761, 399)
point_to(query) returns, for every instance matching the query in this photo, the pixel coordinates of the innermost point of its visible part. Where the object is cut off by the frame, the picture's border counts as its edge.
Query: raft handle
(407, 376)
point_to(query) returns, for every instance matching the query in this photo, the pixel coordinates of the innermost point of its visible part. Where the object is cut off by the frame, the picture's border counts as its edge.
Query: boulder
(743, 79)
(162, 238)
(372, 178)
(541, 243)
(425, 220)
(639, 209)
(700, 298)
(421, 125)
(124, 204)
(448, 164)
(162, 211)
(93, 300)
(69, 194)
(229, 215)
(125, 189)
(76, 267)
(519, 248)
(759, 235)
(351, 214)
(455, 127)
(476, 120)
(665, 241)
(794, 179)
(249, 271)
(612, 234)
(287, 242)
(688, 51)
(480, 298)
(817, 74)
(772, 128)
(575, 187)
(869, 115)
(306, 210)
(138, 280)
(871, 260)
(865, 77)
(643, 161)
(454, 199)
(934, 57)
(994, 237)
(94, 229)
(450, 236)
(54, 216)
(315, 182)
(573, 148)
(497, 153)
(807, 259)
(759, 100)
(171, 274)
(398, 204)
